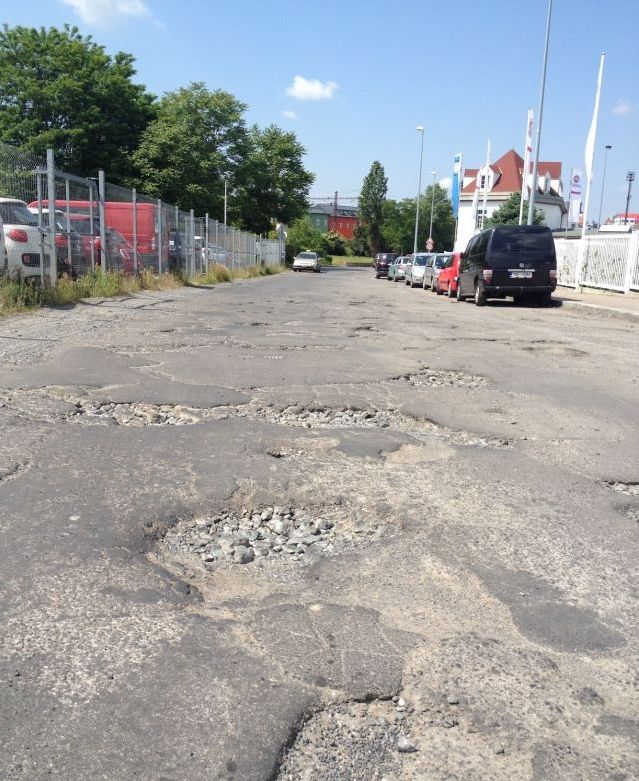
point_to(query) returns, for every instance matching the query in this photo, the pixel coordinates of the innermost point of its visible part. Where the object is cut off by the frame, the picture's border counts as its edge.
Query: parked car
(447, 277)
(382, 262)
(307, 261)
(68, 242)
(510, 260)
(119, 251)
(22, 239)
(177, 251)
(433, 267)
(415, 272)
(217, 254)
(90, 236)
(397, 269)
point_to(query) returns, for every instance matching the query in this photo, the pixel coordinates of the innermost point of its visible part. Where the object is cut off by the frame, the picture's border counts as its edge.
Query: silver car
(307, 261)
(415, 272)
(435, 264)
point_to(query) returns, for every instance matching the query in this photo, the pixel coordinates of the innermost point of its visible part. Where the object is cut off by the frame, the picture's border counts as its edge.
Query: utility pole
(630, 177)
(607, 148)
(335, 205)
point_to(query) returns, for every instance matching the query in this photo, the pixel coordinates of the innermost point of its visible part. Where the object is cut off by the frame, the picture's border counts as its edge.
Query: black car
(510, 260)
(177, 251)
(382, 262)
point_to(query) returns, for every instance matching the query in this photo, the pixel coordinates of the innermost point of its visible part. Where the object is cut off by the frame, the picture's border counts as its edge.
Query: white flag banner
(576, 177)
(590, 143)
(527, 158)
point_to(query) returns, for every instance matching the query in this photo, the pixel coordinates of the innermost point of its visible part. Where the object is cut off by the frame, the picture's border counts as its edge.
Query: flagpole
(533, 184)
(483, 205)
(590, 144)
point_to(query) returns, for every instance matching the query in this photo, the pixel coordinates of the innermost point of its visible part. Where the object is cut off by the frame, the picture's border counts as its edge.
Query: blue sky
(465, 70)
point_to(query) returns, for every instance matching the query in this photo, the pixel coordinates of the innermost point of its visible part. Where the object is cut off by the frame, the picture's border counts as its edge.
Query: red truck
(118, 215)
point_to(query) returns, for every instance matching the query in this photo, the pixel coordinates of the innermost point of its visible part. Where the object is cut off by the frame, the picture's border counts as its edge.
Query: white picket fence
(606, 262)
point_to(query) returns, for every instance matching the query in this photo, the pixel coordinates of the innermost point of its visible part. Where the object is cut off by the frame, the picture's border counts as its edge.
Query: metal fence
(96, 225)
(599, 261)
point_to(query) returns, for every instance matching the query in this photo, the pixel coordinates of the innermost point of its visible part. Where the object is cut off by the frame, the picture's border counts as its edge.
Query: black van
(510, 260)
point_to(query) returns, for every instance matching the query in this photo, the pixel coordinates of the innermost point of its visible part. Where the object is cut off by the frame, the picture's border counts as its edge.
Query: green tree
(303, 235)
(508, 213)
(272, 184)
(371, 205)
(333, 243)
(197, 141)
(59, 89)
(359, 242)
(398, 226)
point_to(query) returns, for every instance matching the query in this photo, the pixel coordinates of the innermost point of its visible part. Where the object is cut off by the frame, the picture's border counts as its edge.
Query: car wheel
(433, 285)
(376, 276)
(450, 291)
(458, 294)
(480, 295)
(438, 290)
(545, 299)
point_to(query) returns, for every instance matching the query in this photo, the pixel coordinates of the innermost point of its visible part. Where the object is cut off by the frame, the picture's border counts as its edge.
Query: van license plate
(517, 274)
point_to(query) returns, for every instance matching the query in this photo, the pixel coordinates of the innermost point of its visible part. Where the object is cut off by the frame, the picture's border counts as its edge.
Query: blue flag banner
(457, 174)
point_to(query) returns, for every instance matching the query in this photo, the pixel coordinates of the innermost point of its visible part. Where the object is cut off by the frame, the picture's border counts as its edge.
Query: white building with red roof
(498, 182)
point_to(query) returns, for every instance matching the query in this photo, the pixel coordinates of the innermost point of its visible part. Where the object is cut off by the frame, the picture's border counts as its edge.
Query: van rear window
(523, 242)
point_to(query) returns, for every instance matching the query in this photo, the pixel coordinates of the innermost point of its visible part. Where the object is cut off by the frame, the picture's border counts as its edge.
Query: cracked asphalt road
(494, 450)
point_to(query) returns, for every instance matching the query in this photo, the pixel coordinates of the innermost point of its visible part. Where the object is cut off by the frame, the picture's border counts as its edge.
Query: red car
(447, 278)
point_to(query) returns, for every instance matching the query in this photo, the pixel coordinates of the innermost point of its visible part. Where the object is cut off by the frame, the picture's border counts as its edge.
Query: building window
(482, 183)
(480, 219)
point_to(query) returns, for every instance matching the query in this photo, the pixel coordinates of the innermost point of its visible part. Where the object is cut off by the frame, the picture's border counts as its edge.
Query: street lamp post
(533, 184)
(608, 147)
(630, 177)
(420, 130)
(432, 207)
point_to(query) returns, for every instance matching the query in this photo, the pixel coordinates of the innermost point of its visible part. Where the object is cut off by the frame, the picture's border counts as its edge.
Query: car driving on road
(307, 261)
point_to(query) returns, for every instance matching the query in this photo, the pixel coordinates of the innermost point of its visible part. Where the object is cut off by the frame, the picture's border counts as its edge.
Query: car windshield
(17, 214)
(307, 255)
(442, 261)
(419, 261)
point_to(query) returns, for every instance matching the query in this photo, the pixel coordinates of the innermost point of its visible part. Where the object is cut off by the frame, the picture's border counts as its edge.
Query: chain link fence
(89, 224)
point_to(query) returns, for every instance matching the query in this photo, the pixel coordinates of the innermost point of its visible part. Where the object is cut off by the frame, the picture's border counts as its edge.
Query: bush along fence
(89, 224)
(599, 261)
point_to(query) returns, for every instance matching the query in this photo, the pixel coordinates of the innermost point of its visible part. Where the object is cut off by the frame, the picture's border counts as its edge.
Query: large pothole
(439, 378)
(136, 413)
(349, 417)
(295, 534)
(629, 488)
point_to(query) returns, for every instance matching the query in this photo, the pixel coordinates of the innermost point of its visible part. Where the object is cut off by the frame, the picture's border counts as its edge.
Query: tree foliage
(398, 226)
(303, 235)
(371, 204)
(60, 89)
(197, 140)
(272, 184)
(508, 213)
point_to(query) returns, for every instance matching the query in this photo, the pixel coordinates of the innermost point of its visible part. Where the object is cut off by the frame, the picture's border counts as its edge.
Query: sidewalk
(620, 304)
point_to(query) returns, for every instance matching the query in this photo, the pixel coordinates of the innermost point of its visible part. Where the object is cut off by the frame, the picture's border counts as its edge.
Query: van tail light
(553, 274)
(487, 274)
(60, 240)
(17, 234)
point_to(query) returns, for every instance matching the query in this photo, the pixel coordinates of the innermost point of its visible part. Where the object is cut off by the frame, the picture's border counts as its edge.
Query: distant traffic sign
(430, 244)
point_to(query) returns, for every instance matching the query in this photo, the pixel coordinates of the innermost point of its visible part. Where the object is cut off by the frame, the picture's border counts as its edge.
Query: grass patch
(352, 260)
(217, 274)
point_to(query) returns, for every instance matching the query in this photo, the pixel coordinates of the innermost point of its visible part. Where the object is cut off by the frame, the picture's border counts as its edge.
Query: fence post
(192, 221)
(51, 204)
(632, 260)
(67, 193)
(134, 206)
(159, 236)
(101, 197)
(206, 241)
(91, 226)
(40, 225)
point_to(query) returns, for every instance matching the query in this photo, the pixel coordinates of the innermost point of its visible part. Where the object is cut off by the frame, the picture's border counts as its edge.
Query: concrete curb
(623, 313)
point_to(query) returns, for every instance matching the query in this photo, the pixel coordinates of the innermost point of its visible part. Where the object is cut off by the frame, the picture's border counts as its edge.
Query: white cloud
(102, 13)
(622, 108)
(446, 182)
(311, 89)
(289, 114)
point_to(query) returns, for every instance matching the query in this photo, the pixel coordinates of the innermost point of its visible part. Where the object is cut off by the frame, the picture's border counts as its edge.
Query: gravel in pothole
(442, 378)
(137, 413)
(351, 742)
(350, 417)
(272, 532)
